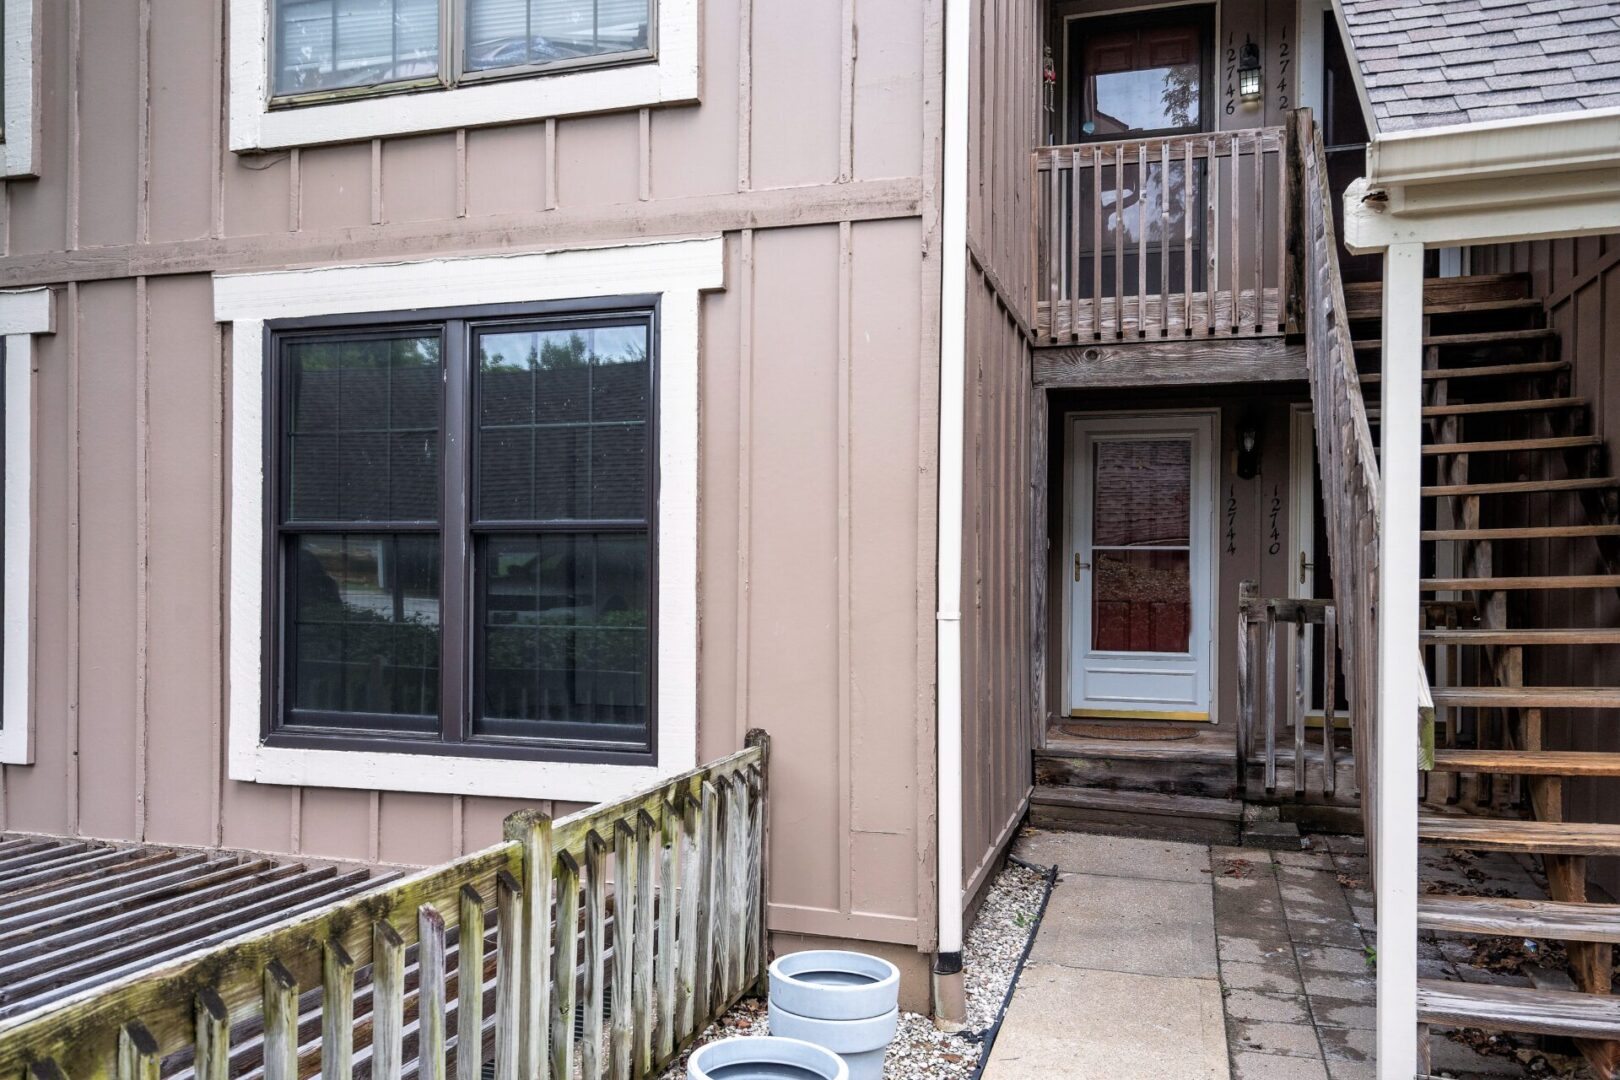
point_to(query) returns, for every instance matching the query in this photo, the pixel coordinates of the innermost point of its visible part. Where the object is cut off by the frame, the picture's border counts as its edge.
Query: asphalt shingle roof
(1429, 63)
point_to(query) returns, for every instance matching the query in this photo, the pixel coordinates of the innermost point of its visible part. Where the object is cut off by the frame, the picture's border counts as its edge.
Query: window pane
(566, 636)
(334, 44)
(363, 429)
(1142, 601)
(562, 424)
(516, 33)
(1143, 492)
(364, 627)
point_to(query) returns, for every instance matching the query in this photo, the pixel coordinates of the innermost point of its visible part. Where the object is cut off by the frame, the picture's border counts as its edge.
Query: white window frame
(678, 272)
(23, 314)
(19, 55)
(670, 78)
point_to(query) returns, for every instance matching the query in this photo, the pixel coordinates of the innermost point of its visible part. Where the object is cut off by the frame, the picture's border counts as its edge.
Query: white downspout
(950, 1003)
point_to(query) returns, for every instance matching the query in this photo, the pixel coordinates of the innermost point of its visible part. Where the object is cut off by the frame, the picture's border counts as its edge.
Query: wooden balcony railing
(648, 909)
(1177, 236)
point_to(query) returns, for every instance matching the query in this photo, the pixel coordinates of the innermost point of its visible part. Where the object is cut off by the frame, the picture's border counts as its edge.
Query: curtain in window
(334, 44)
(510, 33)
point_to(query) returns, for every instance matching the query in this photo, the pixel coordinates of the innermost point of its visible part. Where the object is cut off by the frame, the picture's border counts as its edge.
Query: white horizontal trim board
(671, 78)
(678, 272)
(22, 315)
(19, 64)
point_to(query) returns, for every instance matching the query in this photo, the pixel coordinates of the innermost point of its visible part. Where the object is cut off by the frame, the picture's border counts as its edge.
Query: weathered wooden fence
(1260, 650)
(647, 912)
(1158, 237)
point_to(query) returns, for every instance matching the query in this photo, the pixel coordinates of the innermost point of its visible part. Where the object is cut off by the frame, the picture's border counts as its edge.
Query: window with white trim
(19, 88)
(478, 573)
(304, 72)
(23, 315)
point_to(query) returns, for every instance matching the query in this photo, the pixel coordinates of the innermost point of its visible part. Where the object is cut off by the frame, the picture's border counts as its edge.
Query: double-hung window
(461, 524)
(322, 48)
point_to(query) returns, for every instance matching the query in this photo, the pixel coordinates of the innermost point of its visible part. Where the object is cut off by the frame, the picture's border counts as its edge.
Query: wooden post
(761, 738)
(138, 1057)
(1268, 691)
(280, 1024)
(469, 986)
(1330, 693)
(509, 961)
(214, 1038)
(532, 829)
(564, 960)
(624, 884)
(1247, 593)
(430, 993)
(669, 821)
(387, 1003)
(595, 950)
(337, 1011)
(689, 933)
(642, 981)
(709, 928)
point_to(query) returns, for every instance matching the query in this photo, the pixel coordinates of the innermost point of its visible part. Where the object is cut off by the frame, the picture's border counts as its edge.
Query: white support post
(1401, 405)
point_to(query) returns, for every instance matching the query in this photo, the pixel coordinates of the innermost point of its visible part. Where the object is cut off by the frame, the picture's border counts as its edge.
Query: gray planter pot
(758, 1057)
(845, 1001)
(831, 984)
(860, 1043)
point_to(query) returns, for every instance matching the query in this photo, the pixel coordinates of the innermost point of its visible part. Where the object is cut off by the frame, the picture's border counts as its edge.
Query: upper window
(322, 47)
(19, 88)
(463, 533)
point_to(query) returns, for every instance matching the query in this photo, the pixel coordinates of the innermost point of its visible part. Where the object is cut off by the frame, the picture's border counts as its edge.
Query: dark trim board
(1192, 362)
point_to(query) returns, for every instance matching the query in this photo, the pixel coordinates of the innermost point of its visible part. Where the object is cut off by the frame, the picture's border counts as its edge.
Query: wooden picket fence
(656, 902)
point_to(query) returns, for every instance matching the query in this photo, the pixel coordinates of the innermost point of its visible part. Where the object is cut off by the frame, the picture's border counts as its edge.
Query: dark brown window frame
(459, 619)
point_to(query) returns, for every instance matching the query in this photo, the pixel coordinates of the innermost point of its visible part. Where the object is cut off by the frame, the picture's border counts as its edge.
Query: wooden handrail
(1227, 188)
(688, 867)
(1347, 462)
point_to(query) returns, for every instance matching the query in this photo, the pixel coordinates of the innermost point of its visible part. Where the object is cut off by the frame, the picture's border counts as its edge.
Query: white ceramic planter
(860, 1043)
(830, 984)
(758, 1057)
(847, 1002)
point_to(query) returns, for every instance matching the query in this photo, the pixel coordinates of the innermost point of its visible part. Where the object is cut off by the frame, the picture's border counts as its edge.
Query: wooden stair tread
(1142, 802)
(1518, 1008)
(1511, 446)
(1469, 408)
(1529, 837)
(1529, 762)
(1540, 367)
(1361, 311)
(1528, 697)
(1523, 487)
(1548, 920)
(1484, 337)
(1527, 532)
(1539, 636)
(1499, 584)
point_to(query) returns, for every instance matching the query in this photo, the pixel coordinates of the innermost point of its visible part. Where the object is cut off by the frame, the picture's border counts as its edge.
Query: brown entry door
(1139, 76)
(1136, 76)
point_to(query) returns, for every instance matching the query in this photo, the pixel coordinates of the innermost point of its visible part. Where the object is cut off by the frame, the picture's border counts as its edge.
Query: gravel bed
(990, 955)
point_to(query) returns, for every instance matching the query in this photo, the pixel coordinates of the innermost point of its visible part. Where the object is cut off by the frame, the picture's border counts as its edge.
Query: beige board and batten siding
(1578, 281)
(818, 165)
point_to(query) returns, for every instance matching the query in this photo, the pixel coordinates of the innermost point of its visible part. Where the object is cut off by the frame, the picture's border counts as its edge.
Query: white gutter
(950, 1005)
(1491, 149)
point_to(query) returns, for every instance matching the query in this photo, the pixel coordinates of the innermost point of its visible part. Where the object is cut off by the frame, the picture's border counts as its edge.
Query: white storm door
(1141, 565)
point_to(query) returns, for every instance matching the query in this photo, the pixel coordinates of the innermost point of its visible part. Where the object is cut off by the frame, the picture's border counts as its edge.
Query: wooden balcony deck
(1170, 237)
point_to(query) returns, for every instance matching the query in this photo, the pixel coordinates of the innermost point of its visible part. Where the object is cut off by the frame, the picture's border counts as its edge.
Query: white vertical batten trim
(952, 402)
(22, 315)
(678, 271)
(1396, 867)
(19, 154)
(671, 78)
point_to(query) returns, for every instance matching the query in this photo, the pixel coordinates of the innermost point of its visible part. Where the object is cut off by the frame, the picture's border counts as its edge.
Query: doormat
(1149, 732)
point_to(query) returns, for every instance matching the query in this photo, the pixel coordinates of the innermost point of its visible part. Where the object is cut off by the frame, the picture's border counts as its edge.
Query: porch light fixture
(1248, 454)
(1249, 72)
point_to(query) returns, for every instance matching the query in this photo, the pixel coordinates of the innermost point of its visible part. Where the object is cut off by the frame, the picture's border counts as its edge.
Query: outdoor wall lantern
(1248, 455)
(1249, 72)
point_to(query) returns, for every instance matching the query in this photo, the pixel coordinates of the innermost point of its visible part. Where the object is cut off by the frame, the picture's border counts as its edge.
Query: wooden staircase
(1511, 472)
